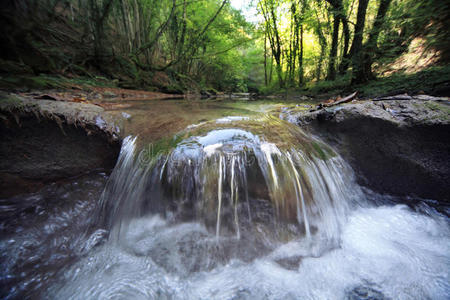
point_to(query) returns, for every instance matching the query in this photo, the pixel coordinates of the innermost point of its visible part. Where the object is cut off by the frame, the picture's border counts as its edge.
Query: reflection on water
(153, 120)
(239, 205)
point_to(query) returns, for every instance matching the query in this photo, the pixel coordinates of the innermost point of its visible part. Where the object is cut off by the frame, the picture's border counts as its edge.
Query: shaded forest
(194, 45)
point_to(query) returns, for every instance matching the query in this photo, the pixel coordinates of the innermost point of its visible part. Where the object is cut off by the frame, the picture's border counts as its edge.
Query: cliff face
(399, 147)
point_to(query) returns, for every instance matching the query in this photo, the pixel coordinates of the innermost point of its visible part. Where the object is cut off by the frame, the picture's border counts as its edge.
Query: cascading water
(237, 178)
(235, 208)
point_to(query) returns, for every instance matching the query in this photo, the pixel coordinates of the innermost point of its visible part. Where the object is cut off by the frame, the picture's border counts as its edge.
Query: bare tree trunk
(338, 17)
(323, 46)
(371, 45)
(300, 59)
(357, 53)
(331, 75)
(345, 53)
(265, 59)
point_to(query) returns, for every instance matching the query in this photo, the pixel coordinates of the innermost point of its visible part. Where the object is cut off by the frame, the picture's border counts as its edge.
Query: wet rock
(365, 293)
(290, 263)
(43, 141)
(109, 94)
(396, 147)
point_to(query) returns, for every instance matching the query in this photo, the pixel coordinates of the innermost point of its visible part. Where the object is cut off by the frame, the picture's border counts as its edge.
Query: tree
(338, 17)
(357, 45)
(365, 72)
(268, 9)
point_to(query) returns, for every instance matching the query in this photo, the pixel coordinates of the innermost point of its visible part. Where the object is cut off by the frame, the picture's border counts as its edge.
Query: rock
(109, 94)
(304, 98)
(427, 98)
(396, 97)
(395, 147)
(365, 293)
(44, 141)
(89, 116)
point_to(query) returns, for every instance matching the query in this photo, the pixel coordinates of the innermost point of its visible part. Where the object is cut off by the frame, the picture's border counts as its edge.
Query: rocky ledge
(397, 145)
(45, 140)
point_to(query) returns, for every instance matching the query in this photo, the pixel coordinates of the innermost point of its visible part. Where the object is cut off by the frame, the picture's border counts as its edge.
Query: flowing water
(228, 203)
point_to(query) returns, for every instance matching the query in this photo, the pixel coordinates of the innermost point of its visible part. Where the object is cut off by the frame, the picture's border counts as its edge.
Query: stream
(220, 200)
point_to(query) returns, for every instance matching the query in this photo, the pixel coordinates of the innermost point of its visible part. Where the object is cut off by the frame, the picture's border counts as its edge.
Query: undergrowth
(427, 81)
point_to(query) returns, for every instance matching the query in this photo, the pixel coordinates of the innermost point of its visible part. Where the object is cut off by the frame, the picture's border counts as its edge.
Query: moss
(322, 151)
(161, 147)
(443, 111)
(437, 107)
(31, 82)
(52, 82)
(319, 150)
(9, 102)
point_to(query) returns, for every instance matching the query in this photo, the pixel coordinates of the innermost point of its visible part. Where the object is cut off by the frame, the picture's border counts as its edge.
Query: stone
(43, 141)
(395, 147)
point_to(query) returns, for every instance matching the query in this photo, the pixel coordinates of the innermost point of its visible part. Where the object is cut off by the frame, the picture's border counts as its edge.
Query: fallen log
(343, 100)
(340, 101)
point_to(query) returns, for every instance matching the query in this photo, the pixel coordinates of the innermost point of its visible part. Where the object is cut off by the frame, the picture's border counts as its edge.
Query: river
(220, 200)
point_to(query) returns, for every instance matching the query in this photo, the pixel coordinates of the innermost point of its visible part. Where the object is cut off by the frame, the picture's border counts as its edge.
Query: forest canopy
(182, 45)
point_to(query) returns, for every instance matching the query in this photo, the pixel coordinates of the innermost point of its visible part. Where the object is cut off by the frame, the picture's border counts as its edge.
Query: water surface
(227, 202)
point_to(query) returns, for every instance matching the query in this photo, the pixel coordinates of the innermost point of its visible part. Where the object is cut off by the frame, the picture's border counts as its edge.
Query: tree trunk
(357, 47)
(265, 59)
(338, 16)
(345, 53)
(371, 45)
(277, 47)
(323, 46)
(300, 59)
(331, 75)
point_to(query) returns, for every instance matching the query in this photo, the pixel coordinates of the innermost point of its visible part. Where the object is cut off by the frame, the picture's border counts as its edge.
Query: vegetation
(182, 45)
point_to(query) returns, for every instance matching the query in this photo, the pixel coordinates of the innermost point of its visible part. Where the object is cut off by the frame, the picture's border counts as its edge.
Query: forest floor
(433, 81)
(84, 90)
(98, 90)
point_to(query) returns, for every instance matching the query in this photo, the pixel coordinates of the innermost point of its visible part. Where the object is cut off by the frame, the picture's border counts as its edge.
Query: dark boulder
(399, 147)
(45, 141)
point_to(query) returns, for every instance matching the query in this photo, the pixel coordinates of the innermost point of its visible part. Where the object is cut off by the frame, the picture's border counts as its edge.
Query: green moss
(442, 110)
(322, 151)
(31, 82)
(10, 101)
(319, 150)
(437, 106)
(161, 147)
(52, 82)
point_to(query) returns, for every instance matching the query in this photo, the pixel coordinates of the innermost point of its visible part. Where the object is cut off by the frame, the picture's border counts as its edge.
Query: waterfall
(235, 208)
(239, 176)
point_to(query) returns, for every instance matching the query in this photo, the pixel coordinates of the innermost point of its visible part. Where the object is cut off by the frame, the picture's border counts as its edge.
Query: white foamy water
(389, 252)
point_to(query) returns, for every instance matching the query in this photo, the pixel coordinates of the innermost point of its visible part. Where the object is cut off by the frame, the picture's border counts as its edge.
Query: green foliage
(337, 86)
(424, 81)
(50, 82)
(180, 45)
